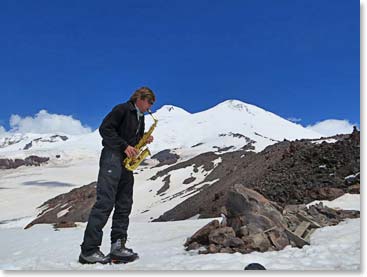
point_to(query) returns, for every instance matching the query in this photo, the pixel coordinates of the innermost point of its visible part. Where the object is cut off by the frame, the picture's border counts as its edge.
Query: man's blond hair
(143, 93)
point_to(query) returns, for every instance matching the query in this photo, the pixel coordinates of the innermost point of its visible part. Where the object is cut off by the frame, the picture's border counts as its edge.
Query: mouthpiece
(151, 114)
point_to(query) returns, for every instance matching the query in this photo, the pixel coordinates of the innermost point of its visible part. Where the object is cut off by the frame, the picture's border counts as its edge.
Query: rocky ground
(296, 172)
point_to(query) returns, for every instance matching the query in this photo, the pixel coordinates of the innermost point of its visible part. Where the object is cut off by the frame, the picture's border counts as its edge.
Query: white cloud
(2, 131)
(331, 127)
(43, 122)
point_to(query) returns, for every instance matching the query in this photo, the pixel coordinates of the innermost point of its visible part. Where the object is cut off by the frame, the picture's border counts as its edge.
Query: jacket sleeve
(109, 129)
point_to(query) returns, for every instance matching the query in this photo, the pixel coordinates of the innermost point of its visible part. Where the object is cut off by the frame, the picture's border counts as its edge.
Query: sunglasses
(151, 102)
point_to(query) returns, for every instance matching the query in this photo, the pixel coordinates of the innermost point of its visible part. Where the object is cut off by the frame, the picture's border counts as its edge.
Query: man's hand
(150, 139)
(131, 151)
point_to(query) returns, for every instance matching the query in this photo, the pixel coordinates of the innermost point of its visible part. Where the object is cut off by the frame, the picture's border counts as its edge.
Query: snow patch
(63, 212)
(331, 140)
(347, 202)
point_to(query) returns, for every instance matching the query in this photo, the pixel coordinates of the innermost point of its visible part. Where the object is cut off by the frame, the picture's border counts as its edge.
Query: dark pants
(114, 190)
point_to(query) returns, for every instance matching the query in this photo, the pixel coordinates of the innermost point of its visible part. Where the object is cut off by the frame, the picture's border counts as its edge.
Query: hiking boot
(96, 257)
(120, 253)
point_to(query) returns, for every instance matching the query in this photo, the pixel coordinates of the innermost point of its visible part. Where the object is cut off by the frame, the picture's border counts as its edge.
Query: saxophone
(143, 151)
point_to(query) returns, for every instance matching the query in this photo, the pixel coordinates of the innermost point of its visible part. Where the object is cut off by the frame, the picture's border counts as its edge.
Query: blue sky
(296, 58)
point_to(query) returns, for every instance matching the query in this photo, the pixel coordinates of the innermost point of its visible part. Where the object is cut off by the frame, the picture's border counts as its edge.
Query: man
(121, 130)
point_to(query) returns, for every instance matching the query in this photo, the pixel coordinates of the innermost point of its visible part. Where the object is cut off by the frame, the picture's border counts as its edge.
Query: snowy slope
(332, 248)
(70, 147)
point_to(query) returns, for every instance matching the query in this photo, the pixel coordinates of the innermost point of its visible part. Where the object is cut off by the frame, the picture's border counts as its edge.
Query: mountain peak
(171, 110)
(235, 104)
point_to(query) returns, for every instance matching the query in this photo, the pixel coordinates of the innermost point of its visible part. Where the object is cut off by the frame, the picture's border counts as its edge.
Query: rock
(221, 235)
(27, 146)
(330, 193)
(201, 236)
(193, 246)
(166, 185)
(233, 242)
(258, 242)
(212, 248)
(189, 180)
(247, 207)
(354, 189)
(17, 163)
(203, 252)
(244, 249)
(226, 250)
(243, 231)
(278, 238)
(64, 224)
(325, 216)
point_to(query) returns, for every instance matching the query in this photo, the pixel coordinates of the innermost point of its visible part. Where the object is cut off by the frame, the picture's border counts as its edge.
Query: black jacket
(121, 128)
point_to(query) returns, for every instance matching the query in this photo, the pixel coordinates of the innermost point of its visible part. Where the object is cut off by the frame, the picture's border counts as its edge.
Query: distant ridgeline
(29, 161)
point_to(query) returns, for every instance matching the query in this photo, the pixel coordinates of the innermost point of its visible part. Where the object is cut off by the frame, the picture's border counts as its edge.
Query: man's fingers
(131, 151)
(150, 139)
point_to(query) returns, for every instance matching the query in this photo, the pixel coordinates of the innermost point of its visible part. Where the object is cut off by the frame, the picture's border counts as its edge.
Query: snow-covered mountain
(231, 123)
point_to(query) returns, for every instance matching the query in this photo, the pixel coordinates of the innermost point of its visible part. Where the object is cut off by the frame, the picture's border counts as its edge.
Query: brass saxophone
(143, 151)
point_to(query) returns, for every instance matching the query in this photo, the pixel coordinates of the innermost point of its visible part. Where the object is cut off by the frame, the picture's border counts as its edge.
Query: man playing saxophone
(121, 130)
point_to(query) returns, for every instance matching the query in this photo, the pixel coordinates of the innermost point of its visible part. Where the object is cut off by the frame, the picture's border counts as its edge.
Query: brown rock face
(67, 208)
(250, 206)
